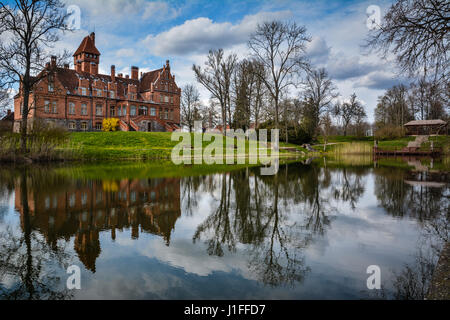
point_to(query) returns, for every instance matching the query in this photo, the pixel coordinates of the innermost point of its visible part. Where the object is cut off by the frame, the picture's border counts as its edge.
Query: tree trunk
(24, 123)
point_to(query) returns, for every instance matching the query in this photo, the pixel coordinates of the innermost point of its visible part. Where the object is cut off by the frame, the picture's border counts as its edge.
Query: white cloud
(159, 11)
(119, 10)
(317, 50)
(380, 80)
(202, 34)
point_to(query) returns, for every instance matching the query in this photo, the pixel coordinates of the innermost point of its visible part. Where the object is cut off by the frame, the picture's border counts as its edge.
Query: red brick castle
(80, 98)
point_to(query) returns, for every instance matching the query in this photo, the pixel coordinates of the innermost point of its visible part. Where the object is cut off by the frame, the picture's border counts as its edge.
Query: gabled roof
(8, 117)
(87, 46)
(425, 122)
(148, 78)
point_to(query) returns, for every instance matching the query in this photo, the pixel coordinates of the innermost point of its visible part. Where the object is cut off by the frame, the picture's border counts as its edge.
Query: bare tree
(280, 48)
(417, 32)
(216, 77)
(190, 101)
(28, 29)
(319, 93)
(210, 115)
(4, 101)
(350, 111)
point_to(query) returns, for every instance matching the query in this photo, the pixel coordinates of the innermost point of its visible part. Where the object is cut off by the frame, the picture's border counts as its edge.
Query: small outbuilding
(6, 123)
(426, 127)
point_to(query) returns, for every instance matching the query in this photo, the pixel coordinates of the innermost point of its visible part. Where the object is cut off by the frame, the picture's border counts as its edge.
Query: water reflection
(273, 224)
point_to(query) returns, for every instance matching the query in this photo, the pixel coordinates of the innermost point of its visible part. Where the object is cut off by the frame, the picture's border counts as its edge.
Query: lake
(138, 232)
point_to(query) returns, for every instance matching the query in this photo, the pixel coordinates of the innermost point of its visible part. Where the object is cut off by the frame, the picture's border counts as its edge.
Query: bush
(296, 135)
(389, 132)
(110, 124)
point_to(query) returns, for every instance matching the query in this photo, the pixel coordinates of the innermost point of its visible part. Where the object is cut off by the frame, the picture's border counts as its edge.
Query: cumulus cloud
(202, 34)
(318, 51)
(379, 80)
(125, 9)
(342, 67)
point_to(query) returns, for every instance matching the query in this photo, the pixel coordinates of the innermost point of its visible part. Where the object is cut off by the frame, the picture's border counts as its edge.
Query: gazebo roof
(426, 122)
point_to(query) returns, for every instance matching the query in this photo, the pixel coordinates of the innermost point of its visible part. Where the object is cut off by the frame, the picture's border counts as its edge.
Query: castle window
(153, 112)
(132, 110)
(112, 111)
(72, 200)
(84, 196)
(46, 106)
(119, 111)
(51, 84)
(72, 125)
(124, 110)
(83, 91)
(71, 108)
(84, 109)
(99, 110)
(171, 99)
(166, 114)
(99, 92)
(143, 110)
(54, 107)
(111, 94)
(84, 126)
(166, 99)
(166, 87)
(98, 126)
(161, 99)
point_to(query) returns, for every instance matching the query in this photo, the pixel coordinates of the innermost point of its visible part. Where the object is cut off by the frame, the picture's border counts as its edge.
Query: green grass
(131, 145)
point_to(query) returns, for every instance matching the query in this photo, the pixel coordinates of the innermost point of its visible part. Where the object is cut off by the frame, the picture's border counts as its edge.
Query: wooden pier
(436, 152)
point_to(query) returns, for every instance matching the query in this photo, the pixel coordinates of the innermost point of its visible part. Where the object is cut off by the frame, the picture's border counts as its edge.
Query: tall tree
(417, 32)
(216, 77)
(319, 93)
(350, 111)
(393, 107)
(190, 100)
(28, 28)
(280, 48)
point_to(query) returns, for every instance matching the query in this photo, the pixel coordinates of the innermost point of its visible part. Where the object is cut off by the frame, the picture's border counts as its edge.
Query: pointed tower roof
(87, 46)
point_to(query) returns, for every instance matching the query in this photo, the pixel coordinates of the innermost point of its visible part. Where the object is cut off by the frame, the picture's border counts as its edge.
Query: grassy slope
(126, 145)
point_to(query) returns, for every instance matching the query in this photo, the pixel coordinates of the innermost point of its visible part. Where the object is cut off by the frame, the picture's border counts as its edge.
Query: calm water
(308, 233)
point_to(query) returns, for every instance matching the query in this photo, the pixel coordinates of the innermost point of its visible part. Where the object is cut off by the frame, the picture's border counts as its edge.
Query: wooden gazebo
(426, 127)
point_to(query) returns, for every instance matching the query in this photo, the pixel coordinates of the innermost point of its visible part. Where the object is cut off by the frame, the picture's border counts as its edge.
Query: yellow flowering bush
(110, 124)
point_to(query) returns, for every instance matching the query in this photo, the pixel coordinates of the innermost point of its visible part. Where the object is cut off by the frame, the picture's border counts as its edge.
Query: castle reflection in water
(83, 209)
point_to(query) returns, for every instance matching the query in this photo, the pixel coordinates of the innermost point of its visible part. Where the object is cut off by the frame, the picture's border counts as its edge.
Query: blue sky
(147, 33)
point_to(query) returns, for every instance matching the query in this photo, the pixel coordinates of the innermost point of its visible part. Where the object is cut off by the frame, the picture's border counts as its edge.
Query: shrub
(296, 135)
(389, 132)
(110, 124)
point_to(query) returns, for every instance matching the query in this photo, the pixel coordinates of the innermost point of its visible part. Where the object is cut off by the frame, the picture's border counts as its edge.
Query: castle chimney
(92, 36)
(120, 75)
(167, 64)
(53, 61)
(113, 73)
(135, 73)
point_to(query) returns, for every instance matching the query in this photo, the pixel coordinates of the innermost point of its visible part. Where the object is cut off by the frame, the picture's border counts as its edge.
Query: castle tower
(87, 57)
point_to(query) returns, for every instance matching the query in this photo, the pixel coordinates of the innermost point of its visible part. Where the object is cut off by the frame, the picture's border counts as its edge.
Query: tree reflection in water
(29, 262)
(277, 217)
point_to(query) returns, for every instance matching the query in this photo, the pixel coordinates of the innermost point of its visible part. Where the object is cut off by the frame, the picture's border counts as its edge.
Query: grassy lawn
(130, 145)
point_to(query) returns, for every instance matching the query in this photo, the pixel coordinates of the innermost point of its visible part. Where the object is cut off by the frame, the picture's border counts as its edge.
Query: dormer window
(51, 84)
